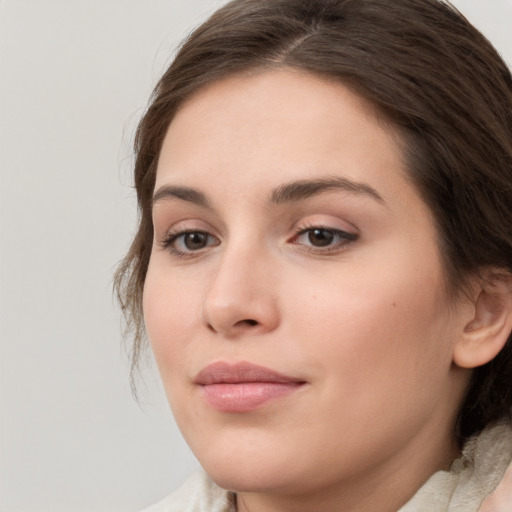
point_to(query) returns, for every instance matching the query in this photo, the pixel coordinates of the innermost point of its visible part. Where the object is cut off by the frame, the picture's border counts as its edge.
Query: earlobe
(488, 329)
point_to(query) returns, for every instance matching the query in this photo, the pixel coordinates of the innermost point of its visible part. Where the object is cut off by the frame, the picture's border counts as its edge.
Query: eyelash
(344, 238)
(169, 240)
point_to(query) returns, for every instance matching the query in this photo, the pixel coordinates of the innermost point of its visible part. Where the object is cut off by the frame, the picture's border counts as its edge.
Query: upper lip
(222, 372)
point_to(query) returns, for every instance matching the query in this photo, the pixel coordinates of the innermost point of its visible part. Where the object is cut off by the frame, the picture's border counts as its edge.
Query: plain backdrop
(75, 76)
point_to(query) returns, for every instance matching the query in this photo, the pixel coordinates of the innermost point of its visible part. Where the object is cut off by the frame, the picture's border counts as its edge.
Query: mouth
(243, 387)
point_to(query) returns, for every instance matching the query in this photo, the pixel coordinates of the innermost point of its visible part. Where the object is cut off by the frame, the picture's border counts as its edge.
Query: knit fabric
(471, 478)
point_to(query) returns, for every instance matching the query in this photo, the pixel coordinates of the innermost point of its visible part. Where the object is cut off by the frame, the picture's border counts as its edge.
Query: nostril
(247, 323)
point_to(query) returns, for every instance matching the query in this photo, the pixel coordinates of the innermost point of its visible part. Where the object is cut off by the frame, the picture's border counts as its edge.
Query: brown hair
(427, 71)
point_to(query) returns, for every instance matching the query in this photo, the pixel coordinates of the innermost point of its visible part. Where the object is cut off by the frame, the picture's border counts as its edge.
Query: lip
(243, 386)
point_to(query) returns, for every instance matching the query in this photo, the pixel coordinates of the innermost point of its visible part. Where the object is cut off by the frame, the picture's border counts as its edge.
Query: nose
(241, 298)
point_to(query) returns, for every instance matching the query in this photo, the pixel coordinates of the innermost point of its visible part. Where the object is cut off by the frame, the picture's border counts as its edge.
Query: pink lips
(243, 387)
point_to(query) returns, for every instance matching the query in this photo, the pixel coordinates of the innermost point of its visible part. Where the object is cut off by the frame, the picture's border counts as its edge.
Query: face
(295, 300)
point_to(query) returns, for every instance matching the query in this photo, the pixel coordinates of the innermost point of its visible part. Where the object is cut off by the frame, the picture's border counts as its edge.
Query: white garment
(197, 494)
(470, 480)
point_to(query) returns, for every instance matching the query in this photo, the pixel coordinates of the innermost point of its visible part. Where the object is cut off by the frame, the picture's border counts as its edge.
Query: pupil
(195, 240)
(320, 237)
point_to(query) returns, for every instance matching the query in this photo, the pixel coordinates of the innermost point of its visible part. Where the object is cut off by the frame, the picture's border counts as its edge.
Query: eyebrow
(188, 194)
(302, 189)
(288, 192)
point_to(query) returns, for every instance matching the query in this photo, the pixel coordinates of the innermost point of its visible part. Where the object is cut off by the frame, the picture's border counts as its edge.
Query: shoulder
(198, 494)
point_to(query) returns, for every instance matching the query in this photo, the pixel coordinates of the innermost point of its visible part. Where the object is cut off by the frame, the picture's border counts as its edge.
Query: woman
(324, 257)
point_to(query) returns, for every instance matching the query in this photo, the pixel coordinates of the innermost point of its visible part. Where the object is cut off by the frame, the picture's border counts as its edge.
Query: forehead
(277, 126)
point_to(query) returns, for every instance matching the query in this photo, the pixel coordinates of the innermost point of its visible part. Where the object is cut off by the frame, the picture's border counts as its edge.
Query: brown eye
(323, 240)
(320, 237)
(195, 240)
(186, 243)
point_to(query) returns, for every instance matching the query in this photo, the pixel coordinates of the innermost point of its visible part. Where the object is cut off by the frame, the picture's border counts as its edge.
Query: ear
(489, 327)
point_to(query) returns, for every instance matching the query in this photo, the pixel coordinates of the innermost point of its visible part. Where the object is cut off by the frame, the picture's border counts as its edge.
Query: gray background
(75, 76)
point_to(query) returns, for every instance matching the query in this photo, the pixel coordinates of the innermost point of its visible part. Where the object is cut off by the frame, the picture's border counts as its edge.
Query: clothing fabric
(198, 494)
(471, 485)
(472, 477)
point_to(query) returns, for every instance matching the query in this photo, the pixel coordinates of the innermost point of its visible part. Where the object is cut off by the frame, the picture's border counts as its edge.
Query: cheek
(170, 315)
(380, 327)
(378, 347)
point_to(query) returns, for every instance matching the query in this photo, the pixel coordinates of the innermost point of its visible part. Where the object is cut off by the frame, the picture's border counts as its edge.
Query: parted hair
(427, 72)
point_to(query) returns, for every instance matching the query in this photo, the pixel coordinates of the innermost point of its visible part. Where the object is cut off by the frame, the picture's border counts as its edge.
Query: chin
(244, 467)
(232, 479)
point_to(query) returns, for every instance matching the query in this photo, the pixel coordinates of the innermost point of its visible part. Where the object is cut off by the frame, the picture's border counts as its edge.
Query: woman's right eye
(185, 243)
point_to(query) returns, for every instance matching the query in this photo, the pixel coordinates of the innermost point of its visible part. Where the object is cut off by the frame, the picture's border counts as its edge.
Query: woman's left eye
(323, 239)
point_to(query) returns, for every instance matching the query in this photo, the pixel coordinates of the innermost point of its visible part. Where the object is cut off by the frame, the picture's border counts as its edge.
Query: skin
(365, 321)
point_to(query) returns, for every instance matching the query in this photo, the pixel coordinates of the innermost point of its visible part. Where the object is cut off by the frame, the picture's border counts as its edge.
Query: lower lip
(246, 396)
